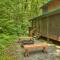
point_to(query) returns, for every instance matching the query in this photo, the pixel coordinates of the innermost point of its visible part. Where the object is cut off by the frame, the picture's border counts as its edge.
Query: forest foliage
(14, 18)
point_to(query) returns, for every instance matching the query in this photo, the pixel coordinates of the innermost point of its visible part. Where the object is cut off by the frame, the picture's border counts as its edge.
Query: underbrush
(5, 41)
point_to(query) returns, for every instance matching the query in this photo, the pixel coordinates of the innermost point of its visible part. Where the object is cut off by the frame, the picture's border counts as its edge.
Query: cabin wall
(48, 26)
(44, 26)
(54, 25)
(53, 5)
(37, 25)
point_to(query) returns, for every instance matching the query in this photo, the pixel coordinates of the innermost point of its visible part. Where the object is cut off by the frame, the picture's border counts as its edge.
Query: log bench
(32, 46)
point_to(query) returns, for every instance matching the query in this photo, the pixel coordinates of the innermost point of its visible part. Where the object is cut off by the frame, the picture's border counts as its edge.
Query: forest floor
(15, 52)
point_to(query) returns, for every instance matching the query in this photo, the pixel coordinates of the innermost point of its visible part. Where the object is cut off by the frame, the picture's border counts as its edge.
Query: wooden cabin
(48, 24)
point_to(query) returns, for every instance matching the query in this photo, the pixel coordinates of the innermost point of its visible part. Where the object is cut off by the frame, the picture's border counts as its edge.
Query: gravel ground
(15, 52)
(53, 53)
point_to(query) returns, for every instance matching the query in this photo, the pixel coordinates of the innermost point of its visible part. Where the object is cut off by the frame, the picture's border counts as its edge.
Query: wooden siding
(48, 26)
(54, 25)
(53, 5)
(44, 27)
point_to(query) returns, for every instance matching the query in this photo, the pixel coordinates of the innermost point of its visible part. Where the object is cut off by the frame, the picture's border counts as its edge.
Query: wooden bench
(32, 46)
